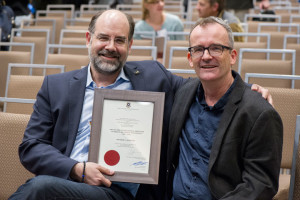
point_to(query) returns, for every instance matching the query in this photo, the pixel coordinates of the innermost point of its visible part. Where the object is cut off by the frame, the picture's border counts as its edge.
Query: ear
(88, 38)
(189, 57)
(233, 56)
(215, 7)
(129, 47)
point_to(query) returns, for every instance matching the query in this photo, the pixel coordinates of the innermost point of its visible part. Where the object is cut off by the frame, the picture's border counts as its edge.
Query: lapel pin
(137, 72)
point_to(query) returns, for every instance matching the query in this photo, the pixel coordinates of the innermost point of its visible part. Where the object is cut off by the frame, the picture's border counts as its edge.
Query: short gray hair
(214, 20)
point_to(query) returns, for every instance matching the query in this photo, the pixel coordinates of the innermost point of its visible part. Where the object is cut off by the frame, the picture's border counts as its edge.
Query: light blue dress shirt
(80, 149)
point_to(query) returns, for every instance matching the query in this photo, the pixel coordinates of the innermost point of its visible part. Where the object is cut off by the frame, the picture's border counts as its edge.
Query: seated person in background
(216, 8)
(155, 19)
(241, 8)
(226, 143)
(264, 4)
(21, 11)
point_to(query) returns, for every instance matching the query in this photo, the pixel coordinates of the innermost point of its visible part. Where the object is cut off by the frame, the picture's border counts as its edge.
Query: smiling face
(108, 45)
(207, 67)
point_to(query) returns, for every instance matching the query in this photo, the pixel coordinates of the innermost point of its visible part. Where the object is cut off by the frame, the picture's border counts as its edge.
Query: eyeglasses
(213, 50)
(118, 41)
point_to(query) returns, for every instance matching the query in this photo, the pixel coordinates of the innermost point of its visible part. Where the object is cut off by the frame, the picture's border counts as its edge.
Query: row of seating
(171, 6)
(162, 49)
(77, 37)
(63, 16)
(58, 22)
(75, 56)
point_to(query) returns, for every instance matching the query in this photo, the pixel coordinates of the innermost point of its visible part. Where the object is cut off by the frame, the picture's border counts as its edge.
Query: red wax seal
(111, 157)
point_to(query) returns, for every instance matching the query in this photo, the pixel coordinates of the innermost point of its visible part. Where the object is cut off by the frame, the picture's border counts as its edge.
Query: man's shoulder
(146, 68)
(171, 17)
(188, 86)
(68, 75)
(231, 18)
(144, 65)
(190, 82)
(141, 25)
(243, 95)
(151, 73)
(254, 100)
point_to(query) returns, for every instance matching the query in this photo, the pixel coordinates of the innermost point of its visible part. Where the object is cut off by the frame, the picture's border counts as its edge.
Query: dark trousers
(53, 188)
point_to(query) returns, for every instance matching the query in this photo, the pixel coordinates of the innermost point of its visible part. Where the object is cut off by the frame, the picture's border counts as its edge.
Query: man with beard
(56, 141)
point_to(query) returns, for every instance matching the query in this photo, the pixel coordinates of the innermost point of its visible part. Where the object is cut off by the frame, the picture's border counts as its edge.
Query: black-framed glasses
(213, 50)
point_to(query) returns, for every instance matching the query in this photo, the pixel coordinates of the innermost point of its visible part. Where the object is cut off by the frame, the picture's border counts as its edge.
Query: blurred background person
(216, 8)
(155, 19)
(21, 11)
(241, 8)
(6, 23)
(42, 5)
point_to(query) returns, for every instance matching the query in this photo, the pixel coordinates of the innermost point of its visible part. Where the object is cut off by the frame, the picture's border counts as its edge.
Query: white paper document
(126, 135)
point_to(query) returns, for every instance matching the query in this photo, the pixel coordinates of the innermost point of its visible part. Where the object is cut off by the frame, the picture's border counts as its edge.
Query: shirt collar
(90, 82)
(221, 103)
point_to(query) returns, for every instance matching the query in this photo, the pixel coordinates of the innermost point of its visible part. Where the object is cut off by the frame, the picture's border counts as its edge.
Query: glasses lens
(197, 51)
(215, 50)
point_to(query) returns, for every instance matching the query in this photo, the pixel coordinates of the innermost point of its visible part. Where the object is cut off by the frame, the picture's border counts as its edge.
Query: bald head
(113, 17)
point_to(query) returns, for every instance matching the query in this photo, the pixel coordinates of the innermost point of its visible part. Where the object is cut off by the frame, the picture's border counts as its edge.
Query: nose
(206, 55)
(110, 45)
(197, 7)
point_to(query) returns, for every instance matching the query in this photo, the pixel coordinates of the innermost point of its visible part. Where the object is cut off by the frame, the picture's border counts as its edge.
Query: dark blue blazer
(52, 129)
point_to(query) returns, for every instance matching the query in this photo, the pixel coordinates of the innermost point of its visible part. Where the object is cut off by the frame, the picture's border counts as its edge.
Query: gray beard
(107, 68)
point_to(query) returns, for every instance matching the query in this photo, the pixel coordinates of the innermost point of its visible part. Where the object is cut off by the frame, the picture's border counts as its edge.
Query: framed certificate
(126, 134)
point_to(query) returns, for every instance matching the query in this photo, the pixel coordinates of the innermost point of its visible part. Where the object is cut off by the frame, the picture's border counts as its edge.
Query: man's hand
(264, 92)
(264, 5)
(93, 174)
